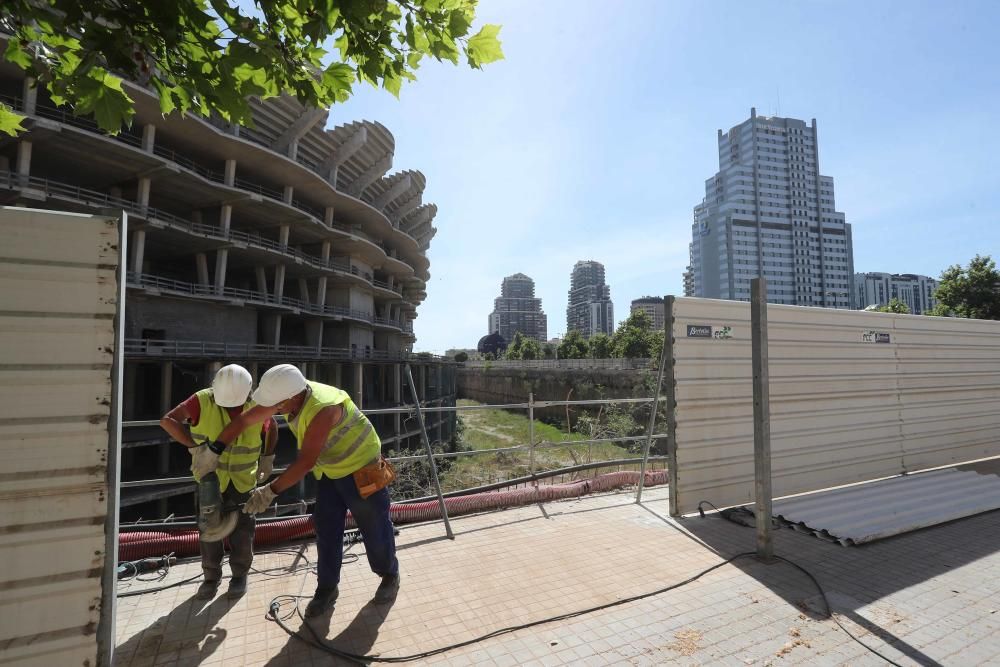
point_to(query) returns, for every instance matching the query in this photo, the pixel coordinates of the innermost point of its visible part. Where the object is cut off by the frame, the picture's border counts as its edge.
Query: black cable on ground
(349, 541)
(829, 609)
(732, 515)
(319, 643)
(274, 611)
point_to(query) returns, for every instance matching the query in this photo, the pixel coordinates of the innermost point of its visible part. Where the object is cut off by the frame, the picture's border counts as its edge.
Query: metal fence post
(761, 418)
(531, 432)
(654, 408)
(430, 453)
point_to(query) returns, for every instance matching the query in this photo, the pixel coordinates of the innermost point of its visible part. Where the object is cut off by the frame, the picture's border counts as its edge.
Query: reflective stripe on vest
(350, 445)
(239, 462)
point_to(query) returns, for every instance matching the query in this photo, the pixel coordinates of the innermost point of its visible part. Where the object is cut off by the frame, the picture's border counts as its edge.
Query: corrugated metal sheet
(59, 301)
(855, 396)
(875, 510)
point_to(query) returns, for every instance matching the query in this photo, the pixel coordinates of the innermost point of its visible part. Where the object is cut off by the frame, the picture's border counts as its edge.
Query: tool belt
(374, 477)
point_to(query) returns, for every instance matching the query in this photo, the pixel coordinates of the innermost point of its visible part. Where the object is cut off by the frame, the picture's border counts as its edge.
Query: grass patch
(498, 429)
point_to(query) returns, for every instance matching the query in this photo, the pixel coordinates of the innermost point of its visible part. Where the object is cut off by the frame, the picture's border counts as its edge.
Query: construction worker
(196, 423)
(340, 446)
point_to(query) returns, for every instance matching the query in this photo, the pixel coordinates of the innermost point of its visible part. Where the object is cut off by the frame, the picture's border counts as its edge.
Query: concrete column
(221, 258)
(137, 246)
(321, 283)
(338, 375)
(279, 282)
(283, 233)
(201, 264)
(261, 279)
(288, 194)
(321, 292)
(359, 385)
(254, 369)
(422, 382)
(148, 137)
(397, 397)
(142, 192)
(213, 368)
(328, 218)
(276, 331)
(293, 149)
(30, 95)
(166, 386)
(24, 159)
(304, 290)
(229, 174)
(225, 218)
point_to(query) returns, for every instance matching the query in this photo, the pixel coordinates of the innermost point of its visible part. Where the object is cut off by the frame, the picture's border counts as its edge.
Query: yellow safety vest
(351, 445)
(239, 462)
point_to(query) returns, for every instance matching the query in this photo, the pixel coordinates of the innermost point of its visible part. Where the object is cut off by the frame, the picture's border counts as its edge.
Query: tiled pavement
(923, 598)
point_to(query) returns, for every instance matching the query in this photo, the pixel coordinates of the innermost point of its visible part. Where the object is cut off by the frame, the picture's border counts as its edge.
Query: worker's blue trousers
(333, 498)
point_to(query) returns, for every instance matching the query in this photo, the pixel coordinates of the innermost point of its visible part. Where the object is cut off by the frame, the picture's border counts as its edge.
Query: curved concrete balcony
(158, 285)
(304, 175)
(376, 253)
(142, 348)
(161, 219)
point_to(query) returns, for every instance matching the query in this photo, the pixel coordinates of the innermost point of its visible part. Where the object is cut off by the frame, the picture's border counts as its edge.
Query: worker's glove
(265, 468)
(260, 499)
(203, 461)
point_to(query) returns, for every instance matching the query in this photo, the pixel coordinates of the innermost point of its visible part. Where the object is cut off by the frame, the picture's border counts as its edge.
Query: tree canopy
(634, 338)
(972, 291)
(600, 346)
(207, 56)
(894, 306)
(523, 347)
(573, 346)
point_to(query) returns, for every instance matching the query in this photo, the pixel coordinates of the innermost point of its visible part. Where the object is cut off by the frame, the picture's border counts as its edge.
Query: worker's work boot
(322, 600)
(207, 590)
(388, 589)
(237, 587)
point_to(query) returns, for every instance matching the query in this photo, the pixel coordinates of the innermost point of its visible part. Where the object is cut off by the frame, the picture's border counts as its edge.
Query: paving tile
(931, 593)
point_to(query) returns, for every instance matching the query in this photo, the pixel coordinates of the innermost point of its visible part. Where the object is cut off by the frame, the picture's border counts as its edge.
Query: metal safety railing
(67, 117)
(89, 197)
(218, 350)
(418, 411)
(542, 364)
(159, 283)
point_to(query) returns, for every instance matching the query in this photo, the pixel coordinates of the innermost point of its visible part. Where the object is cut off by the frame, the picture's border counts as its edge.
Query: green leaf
(338, 76)
(166, 98)
(10, 121)
(392, 83)
(101, 94)
(484, 46)
(15, 54)
(459, 22)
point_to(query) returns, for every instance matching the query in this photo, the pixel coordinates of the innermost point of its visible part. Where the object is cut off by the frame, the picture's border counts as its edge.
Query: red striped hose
(137, 545)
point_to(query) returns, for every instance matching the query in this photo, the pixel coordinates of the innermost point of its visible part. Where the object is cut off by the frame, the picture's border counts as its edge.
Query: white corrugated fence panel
(58, 301)
(854, 396)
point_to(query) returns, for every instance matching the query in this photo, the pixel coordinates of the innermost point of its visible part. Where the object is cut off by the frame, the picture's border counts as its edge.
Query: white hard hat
(231, 386)
(279, 384)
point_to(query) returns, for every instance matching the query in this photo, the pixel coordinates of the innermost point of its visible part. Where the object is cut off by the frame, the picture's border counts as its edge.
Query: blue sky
(593, 139)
